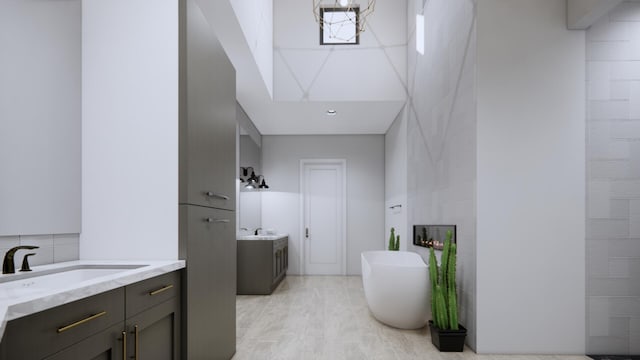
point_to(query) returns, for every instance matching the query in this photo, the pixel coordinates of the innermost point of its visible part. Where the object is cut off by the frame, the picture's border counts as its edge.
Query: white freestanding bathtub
(396, 286)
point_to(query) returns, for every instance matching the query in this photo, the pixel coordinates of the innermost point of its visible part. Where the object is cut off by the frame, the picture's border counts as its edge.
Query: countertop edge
(261, 237)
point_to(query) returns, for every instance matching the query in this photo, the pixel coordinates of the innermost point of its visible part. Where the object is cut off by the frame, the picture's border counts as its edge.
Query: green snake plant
(444, 300)
(394, 241)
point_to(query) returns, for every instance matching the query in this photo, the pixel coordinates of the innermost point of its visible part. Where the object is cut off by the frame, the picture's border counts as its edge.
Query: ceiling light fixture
(344, 14)
(331, 112)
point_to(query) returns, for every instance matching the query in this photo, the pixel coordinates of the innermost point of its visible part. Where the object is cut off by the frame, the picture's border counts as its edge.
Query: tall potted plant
(446, 333)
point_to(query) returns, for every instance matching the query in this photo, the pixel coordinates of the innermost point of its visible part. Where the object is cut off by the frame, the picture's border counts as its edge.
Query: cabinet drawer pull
(158, 291)
(217, 196)
(80, 322)
(211, 220)
(135, 349)
(124, 344)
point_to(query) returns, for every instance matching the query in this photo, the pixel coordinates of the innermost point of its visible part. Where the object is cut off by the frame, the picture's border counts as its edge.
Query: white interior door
(323, 188)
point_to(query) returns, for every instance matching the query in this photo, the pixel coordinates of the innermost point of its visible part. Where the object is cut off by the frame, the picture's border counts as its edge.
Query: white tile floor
(326, 317)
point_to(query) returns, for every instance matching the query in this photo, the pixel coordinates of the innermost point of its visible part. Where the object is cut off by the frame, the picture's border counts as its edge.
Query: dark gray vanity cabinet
(43, 334)
(262, 264)
(143, 324)
(207, 115)
(105, 345)
(208, 243)
(153, 318)
(207, 188)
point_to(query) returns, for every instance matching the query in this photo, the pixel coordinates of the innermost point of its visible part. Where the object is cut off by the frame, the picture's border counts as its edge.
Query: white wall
(129, 129)
(365, 189)
(441, 135)
(246, 126)
(531, 179)
(256, 20)
(40, 117)
(395, 184)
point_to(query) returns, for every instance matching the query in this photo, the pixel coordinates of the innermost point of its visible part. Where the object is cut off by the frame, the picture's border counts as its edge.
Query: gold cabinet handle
(80, 322)
(124, 344)
(165, 288)
(136, 333)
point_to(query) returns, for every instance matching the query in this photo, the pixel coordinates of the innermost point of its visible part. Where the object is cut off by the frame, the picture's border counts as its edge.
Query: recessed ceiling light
(331, 112)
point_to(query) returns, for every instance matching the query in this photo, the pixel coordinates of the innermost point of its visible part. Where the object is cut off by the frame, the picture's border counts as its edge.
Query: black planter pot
(448, 340)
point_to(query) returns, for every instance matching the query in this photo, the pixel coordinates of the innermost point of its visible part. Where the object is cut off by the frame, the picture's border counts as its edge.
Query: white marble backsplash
(53, 248)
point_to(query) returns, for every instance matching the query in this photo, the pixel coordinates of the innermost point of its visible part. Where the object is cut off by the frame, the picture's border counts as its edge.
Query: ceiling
(286, 82)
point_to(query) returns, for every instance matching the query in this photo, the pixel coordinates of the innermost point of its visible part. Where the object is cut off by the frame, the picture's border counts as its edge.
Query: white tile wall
(613, 176)
(608, 109)
(66, 247)
(44, 253)
(619, 90)
(608, 31)
(626, 188)
(628, 70)
(52, 248)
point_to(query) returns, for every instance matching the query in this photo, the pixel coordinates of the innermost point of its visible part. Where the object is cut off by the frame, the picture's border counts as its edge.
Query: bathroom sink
(74, 272)
(261, 237)
(32, 282)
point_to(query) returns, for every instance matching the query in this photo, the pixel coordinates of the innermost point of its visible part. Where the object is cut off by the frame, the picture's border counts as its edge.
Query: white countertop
(261, 237)
(15, 303)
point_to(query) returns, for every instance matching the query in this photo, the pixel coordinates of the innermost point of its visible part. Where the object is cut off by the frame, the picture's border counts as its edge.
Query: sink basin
(33, 282)
(260, 237)
(89, 272)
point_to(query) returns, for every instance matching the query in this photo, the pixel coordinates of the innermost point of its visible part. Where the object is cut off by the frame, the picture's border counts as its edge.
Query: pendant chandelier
(344, 13)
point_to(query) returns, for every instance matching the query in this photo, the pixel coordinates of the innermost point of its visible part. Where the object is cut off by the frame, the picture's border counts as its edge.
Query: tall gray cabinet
(207, 189)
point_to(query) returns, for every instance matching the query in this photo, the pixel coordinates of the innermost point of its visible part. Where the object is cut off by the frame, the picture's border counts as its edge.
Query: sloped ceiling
(365, 84)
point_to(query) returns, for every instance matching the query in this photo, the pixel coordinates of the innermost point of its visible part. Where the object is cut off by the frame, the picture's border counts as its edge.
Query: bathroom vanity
(262, 263)
(124, 312)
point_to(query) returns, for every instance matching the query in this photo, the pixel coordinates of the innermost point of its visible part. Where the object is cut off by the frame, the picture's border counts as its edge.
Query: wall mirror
(249, 157)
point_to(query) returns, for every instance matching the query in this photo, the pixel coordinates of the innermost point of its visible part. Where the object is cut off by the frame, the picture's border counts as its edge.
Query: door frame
(343, 225)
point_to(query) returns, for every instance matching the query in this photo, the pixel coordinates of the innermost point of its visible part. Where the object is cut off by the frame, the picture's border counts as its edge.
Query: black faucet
(25, 262)
(256, 232)
(8, 266)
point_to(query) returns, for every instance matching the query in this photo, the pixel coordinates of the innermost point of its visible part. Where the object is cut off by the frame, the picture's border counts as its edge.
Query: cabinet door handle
(306, 233)
(124, 345)
(212, 220)
(80, 322)
(217, 196)
(135, 340)
(158, 291)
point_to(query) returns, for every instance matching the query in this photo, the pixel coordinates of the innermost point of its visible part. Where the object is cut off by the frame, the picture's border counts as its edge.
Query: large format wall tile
(613, 178)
